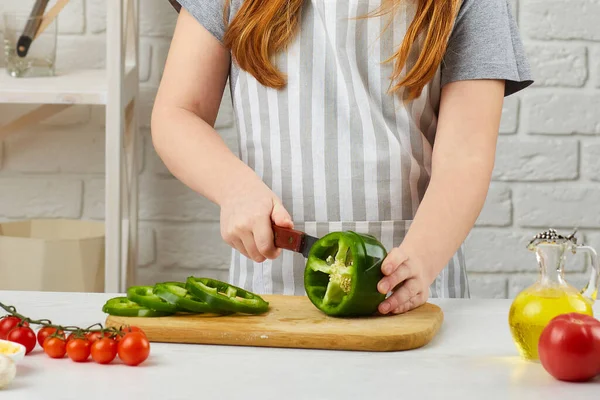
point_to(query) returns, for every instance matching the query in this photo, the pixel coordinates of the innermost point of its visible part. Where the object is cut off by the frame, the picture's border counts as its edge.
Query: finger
(408, 290)
(264, 239)
(280, 216)
(251, 249)
(393, 260)
(400, 309)
(411, 304)
(239, 246)
(400, 274)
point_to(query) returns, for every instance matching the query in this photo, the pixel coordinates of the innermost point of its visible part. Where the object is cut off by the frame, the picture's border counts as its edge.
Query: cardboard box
(52, 255)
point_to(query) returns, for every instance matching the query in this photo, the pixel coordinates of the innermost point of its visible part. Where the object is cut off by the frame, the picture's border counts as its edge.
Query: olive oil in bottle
(551, 295)
(533, 309)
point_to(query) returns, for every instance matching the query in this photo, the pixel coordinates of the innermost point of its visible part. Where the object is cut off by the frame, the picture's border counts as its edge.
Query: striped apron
(340, 152)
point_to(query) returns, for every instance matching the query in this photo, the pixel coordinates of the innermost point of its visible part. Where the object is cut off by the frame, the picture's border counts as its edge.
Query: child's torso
(334, 144)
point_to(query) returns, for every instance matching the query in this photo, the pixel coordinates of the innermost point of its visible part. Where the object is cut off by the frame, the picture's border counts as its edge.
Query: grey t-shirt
(485, 42)
(339, 150)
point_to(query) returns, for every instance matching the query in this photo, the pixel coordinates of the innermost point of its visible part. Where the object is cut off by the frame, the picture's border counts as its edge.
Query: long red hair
(261, 29)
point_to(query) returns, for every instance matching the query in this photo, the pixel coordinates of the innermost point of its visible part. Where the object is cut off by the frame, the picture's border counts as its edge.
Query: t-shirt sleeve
(209, 13)
(486, 44)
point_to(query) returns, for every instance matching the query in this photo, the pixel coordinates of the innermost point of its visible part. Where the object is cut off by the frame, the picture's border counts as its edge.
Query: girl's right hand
(247, 218)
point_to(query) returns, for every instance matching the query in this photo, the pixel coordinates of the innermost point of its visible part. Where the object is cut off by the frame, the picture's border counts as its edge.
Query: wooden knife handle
(288, 239)
(175, 5)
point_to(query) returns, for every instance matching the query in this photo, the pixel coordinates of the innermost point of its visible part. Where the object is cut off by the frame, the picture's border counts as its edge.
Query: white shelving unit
(116, 87)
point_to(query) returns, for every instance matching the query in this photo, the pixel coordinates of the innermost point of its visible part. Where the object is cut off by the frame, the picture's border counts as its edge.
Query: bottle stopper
(551, 236)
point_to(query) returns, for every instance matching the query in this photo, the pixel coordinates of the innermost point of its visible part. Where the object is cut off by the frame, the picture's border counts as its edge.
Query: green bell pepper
(225, 297)
(144, 296)
(123, 307)
(342, 272)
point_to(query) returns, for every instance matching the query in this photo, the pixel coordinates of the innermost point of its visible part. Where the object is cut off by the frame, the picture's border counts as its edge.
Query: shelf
(67, 87)
(116, 88)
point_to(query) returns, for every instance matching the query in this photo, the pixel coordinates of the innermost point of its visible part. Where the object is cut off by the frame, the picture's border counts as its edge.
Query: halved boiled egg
(12, 350)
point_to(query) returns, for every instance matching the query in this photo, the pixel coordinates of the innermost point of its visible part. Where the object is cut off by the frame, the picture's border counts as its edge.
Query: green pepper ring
(123, 307)
(177, 294)
(236, 299)
(144, 296)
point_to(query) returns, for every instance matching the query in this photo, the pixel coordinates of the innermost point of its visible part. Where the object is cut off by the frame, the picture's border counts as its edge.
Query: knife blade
(293, 240)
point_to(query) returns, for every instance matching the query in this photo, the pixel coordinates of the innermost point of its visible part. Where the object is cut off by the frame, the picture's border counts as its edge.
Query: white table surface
(472, 357)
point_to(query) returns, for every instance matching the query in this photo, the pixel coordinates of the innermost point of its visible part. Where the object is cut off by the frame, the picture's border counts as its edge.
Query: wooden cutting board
(293, 322)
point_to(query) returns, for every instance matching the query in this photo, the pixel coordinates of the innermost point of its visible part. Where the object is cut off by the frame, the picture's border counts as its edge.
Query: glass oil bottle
(551, 295)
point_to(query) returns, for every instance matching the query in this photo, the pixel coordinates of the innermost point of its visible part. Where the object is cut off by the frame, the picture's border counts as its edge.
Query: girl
(378, 116)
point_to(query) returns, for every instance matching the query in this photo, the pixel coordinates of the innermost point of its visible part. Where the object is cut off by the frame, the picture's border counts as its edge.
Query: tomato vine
(46, 323)
(102, 343)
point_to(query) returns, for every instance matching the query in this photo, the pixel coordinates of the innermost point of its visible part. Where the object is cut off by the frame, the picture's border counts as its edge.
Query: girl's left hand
(407, 278)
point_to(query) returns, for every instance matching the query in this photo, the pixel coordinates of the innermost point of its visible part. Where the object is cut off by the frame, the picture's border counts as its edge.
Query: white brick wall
(547, 170)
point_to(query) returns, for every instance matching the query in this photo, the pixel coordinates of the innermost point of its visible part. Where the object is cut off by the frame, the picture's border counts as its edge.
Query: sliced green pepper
(123, 307)
(225, 297)
(176, 294)
(144, 296)
(342, 272)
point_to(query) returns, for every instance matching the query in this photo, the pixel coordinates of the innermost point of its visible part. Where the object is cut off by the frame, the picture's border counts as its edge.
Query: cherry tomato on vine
(104, 350)
(8, 323)
(129, 328)
(95, 336)
(76, 335)
(45, 332)
(23, 335)
(55, 347)
(78, 350)
(134, 348)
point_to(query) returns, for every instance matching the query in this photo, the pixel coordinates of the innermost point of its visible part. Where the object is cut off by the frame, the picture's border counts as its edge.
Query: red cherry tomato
(128, 329)
(78, 350)
(131, 328)
(93, 336)
(134, 348)
(55, 347)
(7, 324)
(44, 333)
(569, 347)
(104, 350)
(23, 335)
(75, 335)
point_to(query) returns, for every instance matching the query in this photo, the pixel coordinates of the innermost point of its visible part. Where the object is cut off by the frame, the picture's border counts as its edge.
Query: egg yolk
(8, 349)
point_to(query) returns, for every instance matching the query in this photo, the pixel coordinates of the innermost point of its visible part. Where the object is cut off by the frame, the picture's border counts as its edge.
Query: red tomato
(44, 333)
(72, 336)
(55, 347)
(134, 348)
(78, 350)
(7, 324)
(104, 350)
(23, 335)
(94, 336)
(569, 347)
(128, 329)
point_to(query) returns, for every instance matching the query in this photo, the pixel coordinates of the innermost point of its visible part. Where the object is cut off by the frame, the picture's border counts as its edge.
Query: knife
(293, 240)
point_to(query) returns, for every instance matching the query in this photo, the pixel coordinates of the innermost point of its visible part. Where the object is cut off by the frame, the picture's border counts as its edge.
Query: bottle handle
(591, 288)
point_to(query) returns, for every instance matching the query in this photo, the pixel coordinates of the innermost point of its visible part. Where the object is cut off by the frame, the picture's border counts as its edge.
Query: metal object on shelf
(31, 28)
